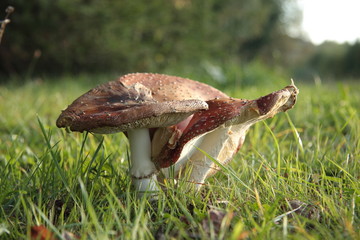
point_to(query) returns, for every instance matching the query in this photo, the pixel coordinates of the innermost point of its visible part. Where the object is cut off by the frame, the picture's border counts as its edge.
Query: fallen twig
(8, 11)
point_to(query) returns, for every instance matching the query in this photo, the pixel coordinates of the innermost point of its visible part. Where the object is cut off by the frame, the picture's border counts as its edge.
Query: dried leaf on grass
(217, 219)
(43, 233)
(297, 207)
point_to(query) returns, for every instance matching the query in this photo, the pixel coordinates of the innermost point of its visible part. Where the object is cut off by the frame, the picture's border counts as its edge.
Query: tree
(126, 36)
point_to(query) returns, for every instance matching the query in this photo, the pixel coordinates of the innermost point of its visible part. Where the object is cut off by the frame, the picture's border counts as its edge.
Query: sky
(335, 20)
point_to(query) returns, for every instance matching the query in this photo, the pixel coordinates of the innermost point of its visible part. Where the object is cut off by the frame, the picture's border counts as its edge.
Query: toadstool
(167, 119)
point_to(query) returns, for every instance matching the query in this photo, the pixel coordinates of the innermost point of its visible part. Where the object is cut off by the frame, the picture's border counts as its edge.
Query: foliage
(79, 182)
(352, 61)
(131, 36)
(329, 60)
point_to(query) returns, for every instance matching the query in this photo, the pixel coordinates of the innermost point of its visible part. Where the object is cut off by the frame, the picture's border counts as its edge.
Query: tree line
(71, 36)
(88, 35)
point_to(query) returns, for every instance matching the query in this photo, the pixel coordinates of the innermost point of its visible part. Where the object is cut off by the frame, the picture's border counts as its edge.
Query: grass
(78, 183)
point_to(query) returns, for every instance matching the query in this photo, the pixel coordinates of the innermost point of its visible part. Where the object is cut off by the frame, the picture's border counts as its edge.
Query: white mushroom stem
(142, 170)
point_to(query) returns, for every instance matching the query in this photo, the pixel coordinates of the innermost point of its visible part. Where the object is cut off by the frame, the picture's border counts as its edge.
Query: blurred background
(222, 40)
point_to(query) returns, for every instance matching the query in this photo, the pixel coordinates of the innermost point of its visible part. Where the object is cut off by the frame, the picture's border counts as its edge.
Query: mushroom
(167, 119)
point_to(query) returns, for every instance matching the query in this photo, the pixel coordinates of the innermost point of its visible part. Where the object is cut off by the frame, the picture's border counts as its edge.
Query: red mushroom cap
(227, 112)
(113, 107)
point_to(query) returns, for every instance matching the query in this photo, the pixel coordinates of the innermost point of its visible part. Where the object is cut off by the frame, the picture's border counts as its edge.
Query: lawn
(72, 183)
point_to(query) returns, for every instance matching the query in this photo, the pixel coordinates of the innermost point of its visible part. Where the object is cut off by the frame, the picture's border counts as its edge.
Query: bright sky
(337, 20)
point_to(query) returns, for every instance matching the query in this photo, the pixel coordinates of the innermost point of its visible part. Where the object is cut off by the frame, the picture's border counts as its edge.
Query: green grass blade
(278, 165)
(226, 169)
